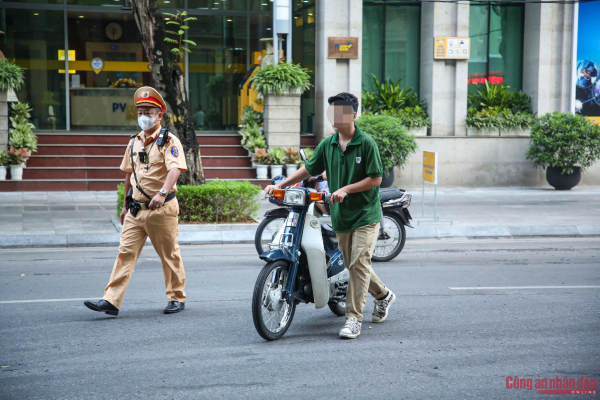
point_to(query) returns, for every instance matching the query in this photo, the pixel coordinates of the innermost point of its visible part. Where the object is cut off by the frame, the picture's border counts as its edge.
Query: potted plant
(252, 137)
(415, 119)
(277, 157)
(292, 160)
(261, 158)
(566, 144)
(282, 86)
(3, 164)
(395, 145)
(11, 78)
(21, 132)
(16, 159)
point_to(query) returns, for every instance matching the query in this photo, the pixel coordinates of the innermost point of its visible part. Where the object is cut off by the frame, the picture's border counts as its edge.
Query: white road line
(522, 287)
(42, 300)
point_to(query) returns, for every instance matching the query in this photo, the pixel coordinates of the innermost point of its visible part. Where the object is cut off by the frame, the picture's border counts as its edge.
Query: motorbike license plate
(292, 220)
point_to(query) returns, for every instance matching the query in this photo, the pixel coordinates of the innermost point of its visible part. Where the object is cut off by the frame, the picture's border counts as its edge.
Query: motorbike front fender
(401, 213)
(276, 255)
(277, 212)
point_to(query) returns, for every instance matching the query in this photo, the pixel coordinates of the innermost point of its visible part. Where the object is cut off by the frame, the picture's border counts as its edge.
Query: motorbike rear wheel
(395, 225)
(272, 315)
(338, 308)
(266, 232)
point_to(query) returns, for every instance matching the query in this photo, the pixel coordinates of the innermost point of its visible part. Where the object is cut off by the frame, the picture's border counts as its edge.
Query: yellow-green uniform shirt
(360, 160)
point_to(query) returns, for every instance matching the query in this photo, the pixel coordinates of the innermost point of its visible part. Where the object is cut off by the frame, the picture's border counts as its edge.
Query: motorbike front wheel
(266, 232)
(389, 246)
(338, 308)
(271, 313)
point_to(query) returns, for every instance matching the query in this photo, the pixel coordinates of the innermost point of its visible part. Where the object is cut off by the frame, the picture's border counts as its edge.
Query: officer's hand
(123, 214)
(157, 202)
(269, 190)
(338, 196)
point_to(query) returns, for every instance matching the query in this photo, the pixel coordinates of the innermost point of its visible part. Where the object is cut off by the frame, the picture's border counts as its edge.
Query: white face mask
(146, 122)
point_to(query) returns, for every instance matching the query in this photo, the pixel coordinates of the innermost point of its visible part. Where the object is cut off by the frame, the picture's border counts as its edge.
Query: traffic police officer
(152, 171)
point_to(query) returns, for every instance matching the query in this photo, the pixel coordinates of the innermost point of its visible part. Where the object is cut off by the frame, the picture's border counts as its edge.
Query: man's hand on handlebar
(338, 196)
(269, 190)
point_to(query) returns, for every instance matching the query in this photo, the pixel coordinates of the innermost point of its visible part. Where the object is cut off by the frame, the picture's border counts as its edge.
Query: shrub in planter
(566, 144)
(283, 78)
(16, 158)
(262, 160)
(395, 145)
(390, 96)
(252, 137)
(277, 157)
(11, 75)
(292, 160)
(3, 164)
(21, 131)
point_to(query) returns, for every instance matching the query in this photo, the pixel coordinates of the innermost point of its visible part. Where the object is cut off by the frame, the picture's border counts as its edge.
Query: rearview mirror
(303, 155)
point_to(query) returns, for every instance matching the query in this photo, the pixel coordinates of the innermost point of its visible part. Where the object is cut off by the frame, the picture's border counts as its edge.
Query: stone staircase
(90, 161)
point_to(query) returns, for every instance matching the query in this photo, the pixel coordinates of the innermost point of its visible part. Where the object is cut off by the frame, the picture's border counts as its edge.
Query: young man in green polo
(353, 165)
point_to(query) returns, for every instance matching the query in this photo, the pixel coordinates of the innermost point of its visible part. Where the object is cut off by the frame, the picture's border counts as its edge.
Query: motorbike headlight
(294, 198)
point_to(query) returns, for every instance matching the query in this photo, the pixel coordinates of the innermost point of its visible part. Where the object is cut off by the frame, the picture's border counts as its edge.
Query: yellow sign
(61, 57)
(97, 65)
(452, 48)
(430, 167)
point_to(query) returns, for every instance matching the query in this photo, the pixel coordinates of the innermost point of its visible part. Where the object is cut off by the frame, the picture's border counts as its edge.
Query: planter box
(417, 131)
(515, 132)
(483, 133)
(282, 120)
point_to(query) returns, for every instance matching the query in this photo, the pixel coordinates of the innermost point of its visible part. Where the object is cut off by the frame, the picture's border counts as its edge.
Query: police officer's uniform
(160, 224)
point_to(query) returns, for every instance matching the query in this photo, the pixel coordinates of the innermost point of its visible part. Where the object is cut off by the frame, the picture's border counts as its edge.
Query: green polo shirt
(360, 160)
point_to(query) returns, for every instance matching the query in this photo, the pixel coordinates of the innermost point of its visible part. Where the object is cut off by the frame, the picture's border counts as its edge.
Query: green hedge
(213, 202)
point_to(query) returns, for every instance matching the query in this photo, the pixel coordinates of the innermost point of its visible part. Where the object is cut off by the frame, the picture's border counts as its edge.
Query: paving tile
(62, 208)
(547, 230)
(589, 230)
(35, 208)
(33, 240)
(99, 239)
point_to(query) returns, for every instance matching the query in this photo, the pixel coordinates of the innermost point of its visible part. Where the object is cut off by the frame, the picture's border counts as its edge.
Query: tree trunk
(169, 80)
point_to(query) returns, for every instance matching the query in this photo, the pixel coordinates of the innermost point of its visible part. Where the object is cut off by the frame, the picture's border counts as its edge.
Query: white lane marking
(522, 287)
(41, 300)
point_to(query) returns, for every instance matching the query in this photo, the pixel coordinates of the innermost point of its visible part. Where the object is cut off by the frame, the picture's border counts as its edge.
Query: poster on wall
(587, 86)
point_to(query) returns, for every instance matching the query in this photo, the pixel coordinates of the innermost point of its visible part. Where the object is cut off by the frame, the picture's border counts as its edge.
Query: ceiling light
(229, 20)
(81, 16)
(167, 19)
(36, 13)
(310, 14)
(167, 1)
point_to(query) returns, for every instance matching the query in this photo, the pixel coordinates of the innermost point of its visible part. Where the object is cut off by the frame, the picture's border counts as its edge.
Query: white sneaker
(351, 329)
(382, 307)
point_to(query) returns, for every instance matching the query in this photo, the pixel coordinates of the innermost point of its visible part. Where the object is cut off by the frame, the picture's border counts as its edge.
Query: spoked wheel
(391, 242)
(272, 315)
(266, 232)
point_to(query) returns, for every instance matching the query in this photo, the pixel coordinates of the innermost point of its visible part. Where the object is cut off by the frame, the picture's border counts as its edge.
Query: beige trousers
(357, 248)
(162, 227)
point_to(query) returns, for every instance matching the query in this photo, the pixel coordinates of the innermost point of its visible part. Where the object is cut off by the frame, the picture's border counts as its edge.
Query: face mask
(146, 122)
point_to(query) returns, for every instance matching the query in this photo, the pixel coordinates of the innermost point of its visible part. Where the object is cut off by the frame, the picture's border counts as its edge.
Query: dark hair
(345, 99)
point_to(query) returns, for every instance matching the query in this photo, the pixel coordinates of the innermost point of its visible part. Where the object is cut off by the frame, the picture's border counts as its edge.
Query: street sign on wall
(343, 47)
(430, 167)
(452, 48)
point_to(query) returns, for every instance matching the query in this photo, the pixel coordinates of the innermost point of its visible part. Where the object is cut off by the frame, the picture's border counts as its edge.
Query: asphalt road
(437, 343)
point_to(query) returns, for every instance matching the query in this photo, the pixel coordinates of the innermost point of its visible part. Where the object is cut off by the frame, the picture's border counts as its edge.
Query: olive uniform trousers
(357, 248)
(161, 225)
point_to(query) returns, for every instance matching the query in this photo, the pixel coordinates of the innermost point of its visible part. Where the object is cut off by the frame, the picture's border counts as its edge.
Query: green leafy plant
(281, 78)
(292, 157)
(392, 97)
(17, 156)
(21, 131)
(251, 116)
(563, 140)
(261, 156)
(308, 152)
(252, 137)
(369, 102)
(120, 198)
(11, 75)
(179, 21)
(410, 117)
(3, 158)
(498, 107)
(277, 156)
(395, 145)
(496, 118)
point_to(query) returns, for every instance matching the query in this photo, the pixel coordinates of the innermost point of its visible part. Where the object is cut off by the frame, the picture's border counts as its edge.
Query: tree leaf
(173, 22)
(181, 32)
(186, 49)
(169, 40)
(185, 27)
(190, 42)
(170, 15)
(190, 19)
(171, 32)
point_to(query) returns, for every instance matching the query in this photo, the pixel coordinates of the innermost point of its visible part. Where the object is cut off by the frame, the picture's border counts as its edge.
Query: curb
(231, 234)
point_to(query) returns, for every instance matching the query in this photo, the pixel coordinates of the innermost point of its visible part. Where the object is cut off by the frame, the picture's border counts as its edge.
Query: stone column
(547, 52)
(332, 76)
(444, 82)
(282, 120)
(3, 121)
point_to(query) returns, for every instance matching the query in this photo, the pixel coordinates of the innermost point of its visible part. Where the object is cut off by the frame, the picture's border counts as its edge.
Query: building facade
(526, 46)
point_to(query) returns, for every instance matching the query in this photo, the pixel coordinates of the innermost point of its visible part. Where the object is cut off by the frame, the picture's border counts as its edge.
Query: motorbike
(304, 265)
(392, 231)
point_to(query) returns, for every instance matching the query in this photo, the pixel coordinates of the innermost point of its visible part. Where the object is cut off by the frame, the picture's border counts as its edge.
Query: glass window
(101, 95)
(35, 38)
(496, 45)
(106, 3)
(391, 44)
(239, 5)
(217, 66)
(303, 52)
(261, 5)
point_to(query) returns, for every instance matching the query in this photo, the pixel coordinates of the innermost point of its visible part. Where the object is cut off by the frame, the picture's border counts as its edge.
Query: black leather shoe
(174, 307)
(102, 306)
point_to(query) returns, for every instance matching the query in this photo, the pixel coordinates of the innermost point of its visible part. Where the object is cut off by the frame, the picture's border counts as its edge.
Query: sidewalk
(89, 218)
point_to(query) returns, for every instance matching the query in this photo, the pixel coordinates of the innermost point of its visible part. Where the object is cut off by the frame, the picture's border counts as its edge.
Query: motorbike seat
(390, 193)
(327, 231)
